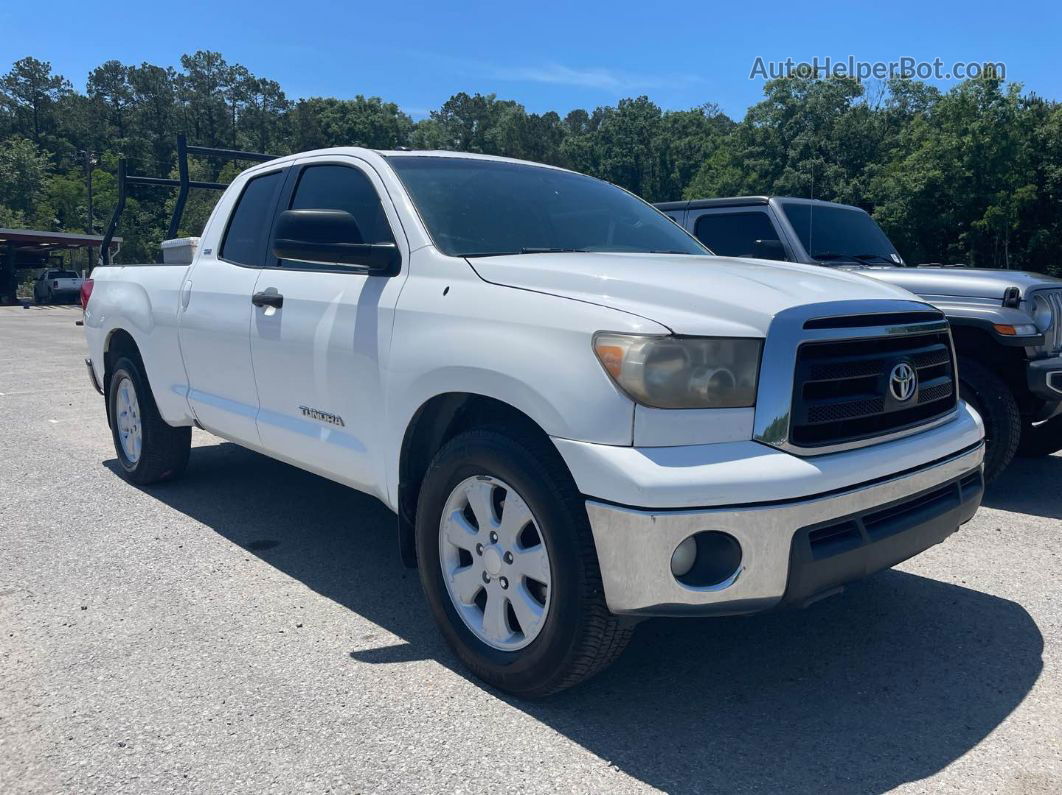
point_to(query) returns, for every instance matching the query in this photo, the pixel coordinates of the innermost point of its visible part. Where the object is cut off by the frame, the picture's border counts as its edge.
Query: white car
(54, 286)
(578, 416)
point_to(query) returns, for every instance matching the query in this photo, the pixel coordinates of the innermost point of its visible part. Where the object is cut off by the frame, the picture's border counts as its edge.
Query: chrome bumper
(634, 547)
(92, 376)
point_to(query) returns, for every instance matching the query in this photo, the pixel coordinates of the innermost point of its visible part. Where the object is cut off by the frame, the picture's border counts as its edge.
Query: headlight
(1043, 316)
(682, 372)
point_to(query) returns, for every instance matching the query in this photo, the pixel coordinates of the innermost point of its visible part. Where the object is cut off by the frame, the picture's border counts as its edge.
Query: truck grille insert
(1053, 336)
(851, 390)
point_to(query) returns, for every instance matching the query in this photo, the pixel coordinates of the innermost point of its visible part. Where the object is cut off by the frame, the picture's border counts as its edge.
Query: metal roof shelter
(31, 248)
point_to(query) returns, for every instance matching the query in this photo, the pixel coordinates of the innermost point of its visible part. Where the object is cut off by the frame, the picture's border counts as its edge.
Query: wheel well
(1007, 362)
(979, 344)
(120, 343)
(434, 424)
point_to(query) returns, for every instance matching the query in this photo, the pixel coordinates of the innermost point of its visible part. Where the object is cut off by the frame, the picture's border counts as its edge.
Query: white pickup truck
(52, 286)
(579, 417)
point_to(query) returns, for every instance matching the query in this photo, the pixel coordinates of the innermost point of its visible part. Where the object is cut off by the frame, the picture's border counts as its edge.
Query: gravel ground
(250, 628)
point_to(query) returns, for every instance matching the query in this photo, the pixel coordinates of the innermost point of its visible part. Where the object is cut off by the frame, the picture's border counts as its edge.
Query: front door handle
(273, 299)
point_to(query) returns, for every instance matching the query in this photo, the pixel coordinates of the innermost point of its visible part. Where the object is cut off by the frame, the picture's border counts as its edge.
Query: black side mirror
(770, 249)
(331, 237)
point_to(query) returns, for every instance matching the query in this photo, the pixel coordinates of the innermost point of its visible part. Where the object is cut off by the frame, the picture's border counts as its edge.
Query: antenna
(811, 211)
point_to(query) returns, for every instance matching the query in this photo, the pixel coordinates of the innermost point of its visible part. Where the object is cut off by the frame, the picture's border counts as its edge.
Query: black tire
(1041, 440)
(992, 399)
(164, 451)
(580, 637)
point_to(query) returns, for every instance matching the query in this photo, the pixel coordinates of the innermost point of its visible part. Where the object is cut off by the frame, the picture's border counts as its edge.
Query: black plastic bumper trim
(825, 557)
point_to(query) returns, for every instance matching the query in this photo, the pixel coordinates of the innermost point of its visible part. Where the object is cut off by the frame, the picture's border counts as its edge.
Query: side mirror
(770, 249)
(331, 237)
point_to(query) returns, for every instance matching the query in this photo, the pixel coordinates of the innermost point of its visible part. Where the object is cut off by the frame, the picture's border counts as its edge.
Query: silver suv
(1007, 325)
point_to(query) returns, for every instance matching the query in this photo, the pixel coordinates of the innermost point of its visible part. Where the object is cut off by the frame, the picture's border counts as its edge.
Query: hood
(710, 296)
(962, 282)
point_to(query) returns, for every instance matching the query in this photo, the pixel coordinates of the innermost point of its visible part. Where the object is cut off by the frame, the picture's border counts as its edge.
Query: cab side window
(337, 187)
(245, 239)
(740, 234)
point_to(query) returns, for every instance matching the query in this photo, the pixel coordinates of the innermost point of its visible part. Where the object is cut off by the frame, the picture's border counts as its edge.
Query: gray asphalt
(250, 628)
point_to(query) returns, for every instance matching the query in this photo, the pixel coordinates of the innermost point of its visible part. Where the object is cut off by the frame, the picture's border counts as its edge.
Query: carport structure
(23, 249)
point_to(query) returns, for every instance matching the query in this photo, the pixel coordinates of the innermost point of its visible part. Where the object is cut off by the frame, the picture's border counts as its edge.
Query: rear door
(738, 232)
(216, 311)
(317, 356)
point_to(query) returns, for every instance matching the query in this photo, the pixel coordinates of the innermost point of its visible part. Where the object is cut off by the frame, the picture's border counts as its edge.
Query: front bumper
(793, 551)
(1045, 378)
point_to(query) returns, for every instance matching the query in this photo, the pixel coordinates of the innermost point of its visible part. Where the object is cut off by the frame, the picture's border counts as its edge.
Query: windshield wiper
(873, 258)
(669, 251)
(547, 250)
(860, 259)
(525, 250)
(833, 256)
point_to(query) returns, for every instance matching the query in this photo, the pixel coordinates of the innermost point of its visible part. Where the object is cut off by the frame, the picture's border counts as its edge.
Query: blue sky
(548, 56)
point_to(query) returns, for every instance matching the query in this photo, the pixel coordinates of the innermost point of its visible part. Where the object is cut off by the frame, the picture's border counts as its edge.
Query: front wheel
(992, 399)
(148, 449)
(508, 565)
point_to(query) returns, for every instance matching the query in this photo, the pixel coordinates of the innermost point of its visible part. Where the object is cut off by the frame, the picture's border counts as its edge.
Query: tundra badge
(323, 416)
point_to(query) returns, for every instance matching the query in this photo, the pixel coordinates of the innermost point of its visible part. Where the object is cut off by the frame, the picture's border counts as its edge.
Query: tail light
(86, 293)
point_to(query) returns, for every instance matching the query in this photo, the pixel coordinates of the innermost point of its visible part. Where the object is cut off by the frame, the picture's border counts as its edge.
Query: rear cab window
(245, 238)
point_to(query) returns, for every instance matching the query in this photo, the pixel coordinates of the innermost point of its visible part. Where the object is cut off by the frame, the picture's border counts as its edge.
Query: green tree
(32, 91)
(24, 170)
(109, 86)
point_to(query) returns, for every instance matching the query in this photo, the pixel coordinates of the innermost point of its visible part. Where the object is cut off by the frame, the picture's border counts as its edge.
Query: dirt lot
(250, 627)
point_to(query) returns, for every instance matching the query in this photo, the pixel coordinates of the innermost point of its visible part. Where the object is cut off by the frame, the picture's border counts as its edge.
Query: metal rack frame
(182, 183)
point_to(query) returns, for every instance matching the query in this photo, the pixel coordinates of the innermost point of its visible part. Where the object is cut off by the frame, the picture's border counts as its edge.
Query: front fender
(454, 333)
(985, 317)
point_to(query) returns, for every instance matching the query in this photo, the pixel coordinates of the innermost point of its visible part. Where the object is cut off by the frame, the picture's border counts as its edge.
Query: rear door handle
(273, 299)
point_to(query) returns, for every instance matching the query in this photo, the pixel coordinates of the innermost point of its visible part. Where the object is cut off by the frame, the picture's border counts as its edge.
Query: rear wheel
(148, 449)
(508, 565)
(992, 399)
(1043, 439)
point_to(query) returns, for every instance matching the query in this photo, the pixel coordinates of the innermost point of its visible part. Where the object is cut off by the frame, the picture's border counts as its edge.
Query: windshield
(62, 275)
(481, 208)
(831, 233)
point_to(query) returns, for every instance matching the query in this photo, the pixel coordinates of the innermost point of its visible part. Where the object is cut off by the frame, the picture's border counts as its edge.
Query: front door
(316, 355)
(216, 313)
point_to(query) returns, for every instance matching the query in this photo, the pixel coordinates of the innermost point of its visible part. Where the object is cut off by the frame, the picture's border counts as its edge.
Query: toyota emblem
(902, 382)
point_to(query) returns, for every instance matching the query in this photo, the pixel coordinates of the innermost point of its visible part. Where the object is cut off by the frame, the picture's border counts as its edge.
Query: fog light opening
(684, 557)
(705, 559)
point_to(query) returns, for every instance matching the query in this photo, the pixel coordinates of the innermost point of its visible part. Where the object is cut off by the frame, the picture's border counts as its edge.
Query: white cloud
(589, 77)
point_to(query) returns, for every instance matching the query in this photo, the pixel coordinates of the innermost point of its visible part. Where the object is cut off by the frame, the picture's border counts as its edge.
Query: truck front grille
(850, 390)
(1053, 337)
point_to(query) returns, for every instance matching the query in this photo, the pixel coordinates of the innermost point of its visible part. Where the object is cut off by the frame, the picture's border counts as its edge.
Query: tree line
(969, 175)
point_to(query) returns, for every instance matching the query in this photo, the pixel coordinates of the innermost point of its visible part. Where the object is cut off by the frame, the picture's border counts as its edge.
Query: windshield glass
(832, 233)
(480, 208)
(62, 275)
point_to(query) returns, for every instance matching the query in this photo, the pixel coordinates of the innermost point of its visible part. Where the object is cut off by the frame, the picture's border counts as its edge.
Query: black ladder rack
(182, 183)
